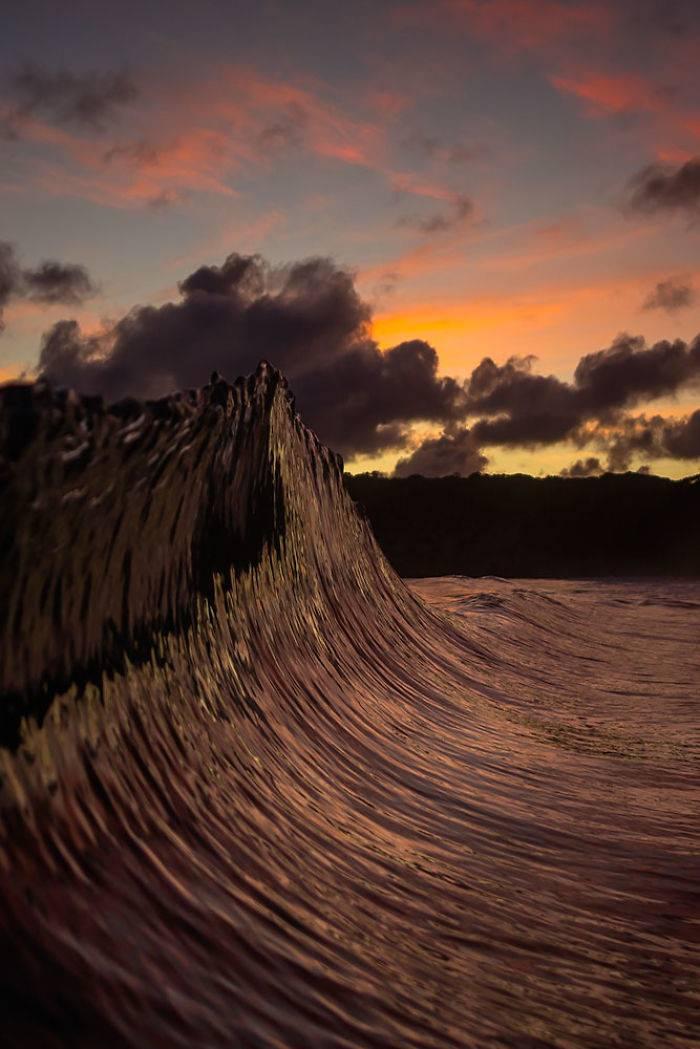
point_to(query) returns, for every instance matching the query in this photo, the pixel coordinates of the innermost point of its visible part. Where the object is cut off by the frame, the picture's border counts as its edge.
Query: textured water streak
(256, 791)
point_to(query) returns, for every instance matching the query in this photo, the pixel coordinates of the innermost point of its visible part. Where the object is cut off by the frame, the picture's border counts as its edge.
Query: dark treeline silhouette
(517, 525)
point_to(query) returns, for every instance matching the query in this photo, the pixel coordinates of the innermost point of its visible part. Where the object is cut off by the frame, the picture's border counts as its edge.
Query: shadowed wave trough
(258, 791)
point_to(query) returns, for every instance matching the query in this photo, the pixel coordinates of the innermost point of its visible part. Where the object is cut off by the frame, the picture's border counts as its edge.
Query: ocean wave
(259, 791)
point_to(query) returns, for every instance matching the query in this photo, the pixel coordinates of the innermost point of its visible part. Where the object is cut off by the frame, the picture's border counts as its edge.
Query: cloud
(138, 153)
(670, 295)
(681, 438)
(661, 188)
(306, 318)
(539, 26)
(435, 149)
(90, 100)
(49, 283)
(287, 131)
(231, 121)
(652, 438)
(166, 198)
(521, 408)
(518, 407)
(265, 116)
(589, 467)
(10, 275)
(58, 282)
(454, 452)
(629, 372)
(462, 209)
(613, 93)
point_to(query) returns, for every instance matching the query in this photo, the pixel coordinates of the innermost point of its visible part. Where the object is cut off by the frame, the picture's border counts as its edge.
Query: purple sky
(505, 178)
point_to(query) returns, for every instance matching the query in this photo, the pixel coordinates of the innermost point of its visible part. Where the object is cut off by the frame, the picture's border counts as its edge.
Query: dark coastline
(618, 525)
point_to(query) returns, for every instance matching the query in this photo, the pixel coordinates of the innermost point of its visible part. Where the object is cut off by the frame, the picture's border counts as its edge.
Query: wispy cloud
(662, 189)
(49, 283)
(208, 136)
(446, 153)
(526, 25)
(196, 138)
(606, 93)
(460, 211)
(671, 295)
(92, 100)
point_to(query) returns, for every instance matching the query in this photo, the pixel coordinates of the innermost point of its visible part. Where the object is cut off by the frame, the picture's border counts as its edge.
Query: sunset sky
(505, 178)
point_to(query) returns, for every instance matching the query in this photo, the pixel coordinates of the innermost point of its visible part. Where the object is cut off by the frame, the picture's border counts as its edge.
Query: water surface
(259, 792)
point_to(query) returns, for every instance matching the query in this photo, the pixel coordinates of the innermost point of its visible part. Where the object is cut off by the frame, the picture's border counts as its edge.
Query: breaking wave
(257, 791)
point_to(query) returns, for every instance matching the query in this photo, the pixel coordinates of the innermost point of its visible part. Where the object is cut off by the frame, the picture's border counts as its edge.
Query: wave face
(258, 792)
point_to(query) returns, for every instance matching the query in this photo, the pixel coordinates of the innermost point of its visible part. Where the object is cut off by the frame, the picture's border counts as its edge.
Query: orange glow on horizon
(434, 320)
(12, 372)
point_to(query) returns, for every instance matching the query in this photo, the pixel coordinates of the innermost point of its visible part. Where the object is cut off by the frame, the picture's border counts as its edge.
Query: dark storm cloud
(307, 319)
(90, 99)
(518, 407)
(364, 399)
(589, 467)
(660, 188)
(51, 282)
(527, 409)
(670, 295)
(649, 437)
(632, 436)
(454, 452)
(681, 438)
(461, 209)
(629, 372)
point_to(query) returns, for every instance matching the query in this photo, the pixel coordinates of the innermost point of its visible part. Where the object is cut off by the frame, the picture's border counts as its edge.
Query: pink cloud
(613, 93)
(530, 25)
(671, 130)
(386, 103)
(251, 103)
(186, 161)
(408, 182)
(196, 138)
(199, 138)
